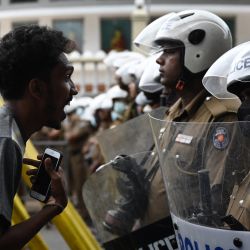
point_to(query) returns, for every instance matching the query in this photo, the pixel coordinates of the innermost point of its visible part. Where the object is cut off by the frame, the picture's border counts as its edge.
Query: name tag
(186, 139)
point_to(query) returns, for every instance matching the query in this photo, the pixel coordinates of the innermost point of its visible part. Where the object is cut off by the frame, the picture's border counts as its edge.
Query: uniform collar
(192, 107)
(177, 112)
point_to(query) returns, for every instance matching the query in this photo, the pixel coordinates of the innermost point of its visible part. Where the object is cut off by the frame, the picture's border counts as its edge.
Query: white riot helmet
(125, 73)
(71, 107)
(116, 92)
(239, 75)
(230, 70)
(141, 99)
(101, 101)
(204, 36)
(137, 69)
(124, 57)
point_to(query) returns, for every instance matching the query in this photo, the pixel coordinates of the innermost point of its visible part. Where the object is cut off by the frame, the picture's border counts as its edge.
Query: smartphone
(40, 189)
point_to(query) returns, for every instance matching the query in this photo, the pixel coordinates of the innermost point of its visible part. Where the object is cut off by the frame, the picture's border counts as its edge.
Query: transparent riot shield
(130, 137)
(117, 197)
(205, 167)
(126, 197)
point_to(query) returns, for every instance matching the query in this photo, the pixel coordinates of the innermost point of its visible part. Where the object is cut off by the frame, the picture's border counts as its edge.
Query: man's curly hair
(29, 52)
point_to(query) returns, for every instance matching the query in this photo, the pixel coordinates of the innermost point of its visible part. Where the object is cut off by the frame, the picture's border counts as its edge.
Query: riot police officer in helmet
(188, 42)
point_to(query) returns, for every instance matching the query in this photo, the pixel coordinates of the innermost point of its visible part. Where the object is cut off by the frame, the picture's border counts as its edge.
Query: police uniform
(239, 206)
(202, 109)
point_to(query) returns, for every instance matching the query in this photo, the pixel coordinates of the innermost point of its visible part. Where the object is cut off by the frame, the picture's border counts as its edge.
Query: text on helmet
(241, 64)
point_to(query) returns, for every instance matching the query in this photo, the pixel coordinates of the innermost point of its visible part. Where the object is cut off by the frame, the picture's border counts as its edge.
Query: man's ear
(37, 88)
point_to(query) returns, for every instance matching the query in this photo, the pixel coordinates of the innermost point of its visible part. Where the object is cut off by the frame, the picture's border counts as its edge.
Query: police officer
(233, 73)
(77, 132)
(189, 42)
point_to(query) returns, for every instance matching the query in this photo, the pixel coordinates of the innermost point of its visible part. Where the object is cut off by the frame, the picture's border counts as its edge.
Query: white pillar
(46, 21)
(139, 19)
(5, 26)
(242, 29)
(91, 33)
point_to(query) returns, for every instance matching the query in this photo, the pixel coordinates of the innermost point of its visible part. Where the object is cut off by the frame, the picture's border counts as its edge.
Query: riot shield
(117, 196)
(205, 167)
(120, 196)
(129, 138)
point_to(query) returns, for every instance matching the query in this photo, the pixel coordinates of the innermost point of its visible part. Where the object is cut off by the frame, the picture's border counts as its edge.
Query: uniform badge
(186, 139)
(220, 138)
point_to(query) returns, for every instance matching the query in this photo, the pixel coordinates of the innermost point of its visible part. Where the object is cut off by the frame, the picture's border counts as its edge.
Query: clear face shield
(130, 137)
(145, 40)
(229, 67)
(205, 167)
(150, 79)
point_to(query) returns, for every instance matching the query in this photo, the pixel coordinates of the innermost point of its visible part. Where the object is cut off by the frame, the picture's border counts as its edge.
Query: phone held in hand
(40, 189)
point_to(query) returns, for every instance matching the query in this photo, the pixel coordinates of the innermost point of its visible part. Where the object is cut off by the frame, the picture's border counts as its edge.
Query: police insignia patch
(220, 138)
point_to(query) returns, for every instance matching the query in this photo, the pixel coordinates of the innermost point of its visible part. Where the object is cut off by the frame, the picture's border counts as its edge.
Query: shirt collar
(17, 137)
(195, 103)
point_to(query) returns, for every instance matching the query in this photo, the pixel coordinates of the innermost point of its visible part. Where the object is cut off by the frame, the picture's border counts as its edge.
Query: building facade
(108, 24)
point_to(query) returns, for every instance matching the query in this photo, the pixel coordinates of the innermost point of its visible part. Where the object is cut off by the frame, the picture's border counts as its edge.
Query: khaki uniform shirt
(200, 109)
(77, 132)
(239, 205)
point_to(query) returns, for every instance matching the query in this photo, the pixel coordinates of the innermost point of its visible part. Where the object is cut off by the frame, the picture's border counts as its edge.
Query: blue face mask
(115, 116)
(79, 111)
(119, 107)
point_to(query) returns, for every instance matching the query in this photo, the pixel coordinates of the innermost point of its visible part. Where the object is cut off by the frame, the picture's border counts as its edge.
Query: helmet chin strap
(180, 85)
(181, 82)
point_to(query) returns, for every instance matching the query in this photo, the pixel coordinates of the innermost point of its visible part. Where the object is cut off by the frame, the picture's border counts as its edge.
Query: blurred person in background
(100, 109)
(76, 133)
(119, 99)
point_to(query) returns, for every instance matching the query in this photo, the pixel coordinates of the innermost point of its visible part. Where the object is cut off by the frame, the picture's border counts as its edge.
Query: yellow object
(20, 214)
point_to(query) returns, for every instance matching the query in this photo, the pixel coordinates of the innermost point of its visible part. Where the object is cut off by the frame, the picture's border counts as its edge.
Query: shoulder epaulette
(218, 107)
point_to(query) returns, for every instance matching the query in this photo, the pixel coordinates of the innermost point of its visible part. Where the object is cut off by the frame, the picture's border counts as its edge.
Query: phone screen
(43, 180)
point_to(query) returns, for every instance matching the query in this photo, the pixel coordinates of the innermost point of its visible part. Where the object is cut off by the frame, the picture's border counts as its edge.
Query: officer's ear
(37, 88)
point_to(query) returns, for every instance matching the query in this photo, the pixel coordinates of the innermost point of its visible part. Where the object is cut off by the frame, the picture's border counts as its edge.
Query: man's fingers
(39, 157)
(31, 172)
(32, 179)
(31, 162)
(50, 169)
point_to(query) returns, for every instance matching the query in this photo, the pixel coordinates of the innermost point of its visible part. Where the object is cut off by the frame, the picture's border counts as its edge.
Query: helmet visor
(150, 79)
(219, 75)
(145, 40)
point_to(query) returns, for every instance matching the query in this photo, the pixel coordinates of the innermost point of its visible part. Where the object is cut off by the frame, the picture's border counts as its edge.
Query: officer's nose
(160, 59)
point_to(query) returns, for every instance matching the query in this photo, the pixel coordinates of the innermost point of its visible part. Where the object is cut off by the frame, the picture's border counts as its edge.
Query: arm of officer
(19, 235)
